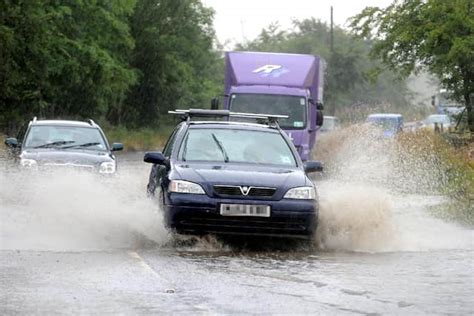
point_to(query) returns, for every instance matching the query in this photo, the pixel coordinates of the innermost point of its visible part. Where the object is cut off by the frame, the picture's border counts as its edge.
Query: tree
(434, 34)
(174, 55)
(63, 58)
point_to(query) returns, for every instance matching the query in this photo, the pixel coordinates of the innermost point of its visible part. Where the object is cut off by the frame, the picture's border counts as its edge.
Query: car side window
(170, 143)
(21, 133)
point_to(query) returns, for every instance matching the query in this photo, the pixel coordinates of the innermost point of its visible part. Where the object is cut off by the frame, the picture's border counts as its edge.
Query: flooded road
(173, 281)
(97, 245)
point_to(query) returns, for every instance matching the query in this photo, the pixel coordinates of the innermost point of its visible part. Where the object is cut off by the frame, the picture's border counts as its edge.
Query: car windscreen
(47, 136)
(236, 145)
(293, 106)
(444, 119)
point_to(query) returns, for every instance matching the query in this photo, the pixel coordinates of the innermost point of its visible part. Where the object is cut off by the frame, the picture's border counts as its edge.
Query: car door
(158, 171)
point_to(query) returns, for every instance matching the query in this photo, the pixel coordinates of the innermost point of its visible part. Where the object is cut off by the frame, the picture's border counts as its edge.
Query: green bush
(139, 139)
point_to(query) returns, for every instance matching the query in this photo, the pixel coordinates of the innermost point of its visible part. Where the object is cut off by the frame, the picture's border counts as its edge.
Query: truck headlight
(301, 193)
(28, 163)
(107, 167)
(181, 186)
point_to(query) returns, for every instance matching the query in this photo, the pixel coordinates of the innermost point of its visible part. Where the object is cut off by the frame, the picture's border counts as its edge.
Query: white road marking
(146, 267)
(150, 270)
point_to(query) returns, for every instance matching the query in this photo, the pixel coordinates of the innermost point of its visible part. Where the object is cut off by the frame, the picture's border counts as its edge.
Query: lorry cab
(279, 84)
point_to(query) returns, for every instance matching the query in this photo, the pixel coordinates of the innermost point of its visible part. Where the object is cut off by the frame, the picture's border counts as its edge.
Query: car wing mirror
(156, 158)
(313, 166)
(11, 142)
(215, 103)
(117, 146)
(319, 118)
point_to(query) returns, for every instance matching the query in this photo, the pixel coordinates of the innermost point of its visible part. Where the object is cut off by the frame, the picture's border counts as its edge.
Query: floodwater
(76, 243)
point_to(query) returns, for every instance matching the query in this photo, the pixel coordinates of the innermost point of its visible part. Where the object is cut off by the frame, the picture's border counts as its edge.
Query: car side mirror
(215, 103)
(11, 142)
(313, 166)
(156, 158)
(319, 118)
(117, 146)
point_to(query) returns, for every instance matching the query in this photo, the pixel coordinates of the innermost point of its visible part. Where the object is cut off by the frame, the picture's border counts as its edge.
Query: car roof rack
(268, 119)
(91, 122)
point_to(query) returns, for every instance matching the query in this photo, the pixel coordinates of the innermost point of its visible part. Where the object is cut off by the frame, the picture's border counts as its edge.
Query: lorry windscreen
(293, 106)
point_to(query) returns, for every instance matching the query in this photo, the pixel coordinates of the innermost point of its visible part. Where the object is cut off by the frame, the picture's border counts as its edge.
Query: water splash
(376, 193)
(354, 218)
(406, 163)
(77, 211)
(191, 243)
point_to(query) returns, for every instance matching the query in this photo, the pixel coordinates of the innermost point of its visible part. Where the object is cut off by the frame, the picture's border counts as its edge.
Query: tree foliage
(349, 81)
(174, 55)
(63, 58)
(124, 61)
(433, 34)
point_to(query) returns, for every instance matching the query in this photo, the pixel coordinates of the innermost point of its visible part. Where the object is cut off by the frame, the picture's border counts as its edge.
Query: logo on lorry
(274, 71)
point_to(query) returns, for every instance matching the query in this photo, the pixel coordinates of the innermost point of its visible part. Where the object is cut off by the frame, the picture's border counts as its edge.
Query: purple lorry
(274, 83)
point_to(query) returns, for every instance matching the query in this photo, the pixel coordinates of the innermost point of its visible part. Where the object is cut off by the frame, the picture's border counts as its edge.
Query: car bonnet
(241, 174)
(44, 156)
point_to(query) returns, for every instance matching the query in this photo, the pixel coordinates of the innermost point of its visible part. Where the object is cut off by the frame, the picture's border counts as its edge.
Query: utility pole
(332, 109)
(332, 33)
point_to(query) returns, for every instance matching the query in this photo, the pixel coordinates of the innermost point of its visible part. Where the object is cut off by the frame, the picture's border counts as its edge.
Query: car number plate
(245, 210)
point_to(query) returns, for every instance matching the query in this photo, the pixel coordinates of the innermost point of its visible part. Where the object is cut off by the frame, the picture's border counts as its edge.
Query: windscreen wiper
(53, 144)
(83, 145)
(221, 147)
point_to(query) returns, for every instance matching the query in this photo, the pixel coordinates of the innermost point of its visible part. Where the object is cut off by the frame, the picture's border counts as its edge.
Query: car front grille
(298, 228)
(53, 166)
(233, 190)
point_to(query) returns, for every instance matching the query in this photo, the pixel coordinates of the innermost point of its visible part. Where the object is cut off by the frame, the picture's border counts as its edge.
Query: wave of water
(77, 211)
(376, 197)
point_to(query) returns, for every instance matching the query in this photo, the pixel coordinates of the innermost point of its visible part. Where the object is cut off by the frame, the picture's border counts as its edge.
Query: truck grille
(244, 190)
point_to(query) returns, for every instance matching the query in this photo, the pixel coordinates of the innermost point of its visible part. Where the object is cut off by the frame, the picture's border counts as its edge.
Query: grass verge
(458, 210)
(454, 161)
(139, 139)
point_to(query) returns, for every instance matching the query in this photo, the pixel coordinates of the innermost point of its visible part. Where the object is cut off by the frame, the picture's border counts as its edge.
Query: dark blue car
(238, 178)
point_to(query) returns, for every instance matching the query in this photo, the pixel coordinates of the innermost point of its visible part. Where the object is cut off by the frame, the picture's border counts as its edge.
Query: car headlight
(180, 186)
(301, 193)
(28, 163)
(107, 167)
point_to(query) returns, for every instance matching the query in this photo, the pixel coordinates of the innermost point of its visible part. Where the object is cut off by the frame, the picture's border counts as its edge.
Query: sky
(237, 21)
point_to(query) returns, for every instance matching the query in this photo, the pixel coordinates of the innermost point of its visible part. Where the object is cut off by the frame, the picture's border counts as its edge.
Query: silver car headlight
(107, 167)
(28, 163)
(301, 193)
(181, 186)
